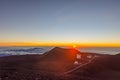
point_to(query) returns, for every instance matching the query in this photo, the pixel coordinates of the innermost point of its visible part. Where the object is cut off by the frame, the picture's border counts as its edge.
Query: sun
(74, 46)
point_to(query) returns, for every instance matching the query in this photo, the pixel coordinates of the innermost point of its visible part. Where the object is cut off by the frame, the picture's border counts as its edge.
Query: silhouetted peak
(57, 48)
(59, 53)
(62, 49)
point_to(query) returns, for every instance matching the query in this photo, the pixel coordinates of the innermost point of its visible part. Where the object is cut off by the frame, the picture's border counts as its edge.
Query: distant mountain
(61, 54)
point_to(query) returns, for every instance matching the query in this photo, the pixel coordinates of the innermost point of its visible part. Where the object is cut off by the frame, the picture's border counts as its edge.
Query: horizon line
(5, 44)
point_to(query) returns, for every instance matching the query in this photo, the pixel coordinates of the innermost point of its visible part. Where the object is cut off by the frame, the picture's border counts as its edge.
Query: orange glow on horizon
(60, 44)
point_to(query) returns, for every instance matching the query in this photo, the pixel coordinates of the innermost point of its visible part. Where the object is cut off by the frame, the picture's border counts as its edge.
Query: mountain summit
(61, 54)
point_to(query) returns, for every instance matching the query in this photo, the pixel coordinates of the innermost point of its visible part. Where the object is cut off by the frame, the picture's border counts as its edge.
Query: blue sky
(65, 21)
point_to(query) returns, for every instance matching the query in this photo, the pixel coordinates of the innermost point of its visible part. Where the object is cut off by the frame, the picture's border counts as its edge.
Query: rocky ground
(53, 64)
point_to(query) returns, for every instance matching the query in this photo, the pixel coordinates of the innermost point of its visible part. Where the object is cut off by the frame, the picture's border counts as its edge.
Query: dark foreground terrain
(57, 64)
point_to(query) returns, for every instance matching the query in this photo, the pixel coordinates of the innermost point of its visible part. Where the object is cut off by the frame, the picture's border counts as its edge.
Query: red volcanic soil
(52, 65)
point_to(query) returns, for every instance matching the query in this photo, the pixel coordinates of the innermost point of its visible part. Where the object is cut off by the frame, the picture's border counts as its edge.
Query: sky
(60, 22)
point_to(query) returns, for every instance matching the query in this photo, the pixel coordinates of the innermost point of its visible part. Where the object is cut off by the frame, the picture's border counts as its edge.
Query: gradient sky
(60, 21)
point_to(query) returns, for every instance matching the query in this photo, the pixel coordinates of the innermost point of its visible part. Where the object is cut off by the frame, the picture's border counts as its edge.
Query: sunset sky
(59, 22)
